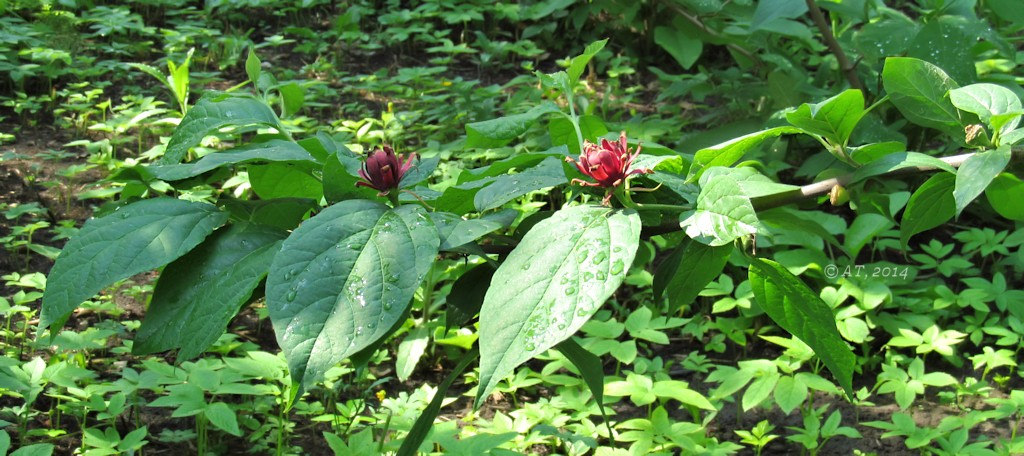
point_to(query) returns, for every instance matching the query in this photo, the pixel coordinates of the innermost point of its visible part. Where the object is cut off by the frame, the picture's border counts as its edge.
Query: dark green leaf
(562, 132)
(689, 269)
(455, 231)
(590, 368)
(467, 295)
(729, 152)
(292, 99)
(681, 43)
(498, 132)
(552, 283)
(343, 278)
(136, 238)
(769, 11)
(941, 42)
(425, 423)
(918, 89)
(799, 310)
(275, 150)
(931, 205)
(199, 293)
(212, 113)
(545, 174)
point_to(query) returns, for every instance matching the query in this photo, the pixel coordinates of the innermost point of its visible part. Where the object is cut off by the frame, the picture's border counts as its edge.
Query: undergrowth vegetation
(551, 227)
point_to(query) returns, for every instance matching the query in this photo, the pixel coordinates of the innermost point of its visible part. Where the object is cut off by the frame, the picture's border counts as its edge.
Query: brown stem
(848, 68)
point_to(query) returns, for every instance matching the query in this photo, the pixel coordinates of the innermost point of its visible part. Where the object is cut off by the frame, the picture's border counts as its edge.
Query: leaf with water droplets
(529, 309)
(379, 257)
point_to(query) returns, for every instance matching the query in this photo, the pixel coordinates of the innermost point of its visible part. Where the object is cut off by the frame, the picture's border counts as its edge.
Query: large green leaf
(273, 150)
(918, 89)
(834, 118)
(799, 310)
(931, 205)
(199, 293)
(976, 173)
(686, 272)
(280, 180)
(723, 213)
(729, 152)
(212, 113)
(681, 43)
(136, 238)
(563, 133)
(343, 278)
(942, 42)
(565, 267)
(498, 132)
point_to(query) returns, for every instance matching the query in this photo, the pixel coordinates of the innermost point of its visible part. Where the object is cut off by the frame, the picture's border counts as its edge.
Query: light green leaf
(410, 351)
(579, 63)
(343, 278)
(834, 118)
(562, 132)
(212, 113)
(976, 173)
(199, 293)
(1004, 194)
(136, 238)
(565, 267)
(790, 392)
(931, 205)
(798, 310)
(988, 100)
(221, 416)
(681, 392)
(723, 213)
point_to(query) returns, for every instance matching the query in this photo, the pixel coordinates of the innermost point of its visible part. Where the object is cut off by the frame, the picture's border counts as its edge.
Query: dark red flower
(383, 170)
(608, 163)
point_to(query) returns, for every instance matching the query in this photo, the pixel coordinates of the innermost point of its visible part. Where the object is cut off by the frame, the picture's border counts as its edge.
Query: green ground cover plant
(461, 227)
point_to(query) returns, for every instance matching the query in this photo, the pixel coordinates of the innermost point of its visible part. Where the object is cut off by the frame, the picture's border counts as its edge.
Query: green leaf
(252, 67)
(455, 231)
(834, 118)
(899, 160)
(38, 449)
(799, 310)
(425, 423)
(723, 213)
(681, 392)
(863, 229)
(563, 133)
(918, 89)
(565, 267)
(221, 416)
(941, 42)
(976, 173)
(279, 180)
(579, 63)
(681, 43)
(589, 366)
(1004, 194)
(212, 113)
(729, 152)
(931, 205)
(199, 293)
(274, 150)
(339, 179)
(689, 269)
(343, 278)
(292, 99)
(790, 392)
(467, 295)
(283, 213)
(410, 351)
(498, 132)
(988, 100)
(136, 238)
(546, 174)
(769, 11)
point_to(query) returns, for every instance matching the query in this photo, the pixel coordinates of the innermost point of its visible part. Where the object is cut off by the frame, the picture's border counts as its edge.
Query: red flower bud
(608, 163)
(383, 170)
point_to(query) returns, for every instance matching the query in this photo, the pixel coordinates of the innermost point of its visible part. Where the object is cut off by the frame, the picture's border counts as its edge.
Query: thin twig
(848, 68)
